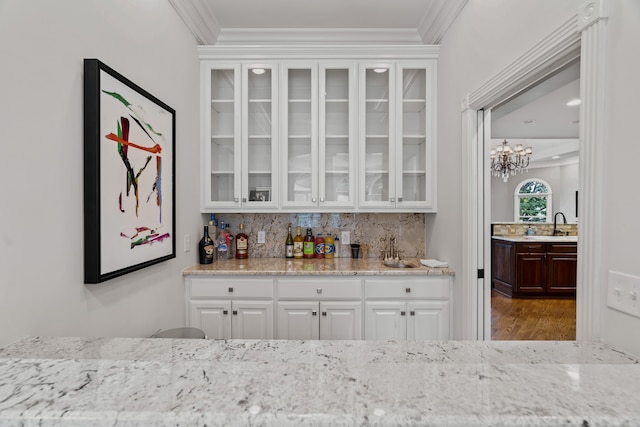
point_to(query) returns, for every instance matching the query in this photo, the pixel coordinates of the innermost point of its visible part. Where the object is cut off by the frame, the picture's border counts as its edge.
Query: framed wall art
(129, 176)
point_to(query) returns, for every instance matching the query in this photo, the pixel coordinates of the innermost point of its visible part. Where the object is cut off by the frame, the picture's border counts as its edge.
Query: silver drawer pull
(319, 290)
(235, 312)
(324, 313)
(314, 313)
(407, 290)
(225, 312)
(402, 313)
(392, 200)
(413, 313)
(231, 290)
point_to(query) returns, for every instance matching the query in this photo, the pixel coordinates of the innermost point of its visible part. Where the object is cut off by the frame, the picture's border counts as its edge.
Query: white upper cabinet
(346, 132)
(318, 135)
(397, 136)
(259, 136)
(240, 150)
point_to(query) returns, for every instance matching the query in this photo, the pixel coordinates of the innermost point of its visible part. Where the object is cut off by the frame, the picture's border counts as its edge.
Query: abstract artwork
(129, 171)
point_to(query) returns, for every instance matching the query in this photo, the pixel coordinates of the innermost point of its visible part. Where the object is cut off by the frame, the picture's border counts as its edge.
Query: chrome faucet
(392, 253)
(555, 223)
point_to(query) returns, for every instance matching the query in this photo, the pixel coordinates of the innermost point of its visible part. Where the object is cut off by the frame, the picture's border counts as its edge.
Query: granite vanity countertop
(541, 239)
(313, 267)
(168, 382)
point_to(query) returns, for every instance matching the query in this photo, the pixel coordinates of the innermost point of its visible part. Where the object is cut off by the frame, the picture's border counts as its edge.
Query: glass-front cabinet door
(299, 89)
(221, 123)
(336, 141)
(377, 133)
(259, 136)
(397, 136)
(415, 160)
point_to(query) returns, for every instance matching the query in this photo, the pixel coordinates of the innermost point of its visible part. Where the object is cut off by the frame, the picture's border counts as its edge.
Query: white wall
(562, 179)
(42, 45)
(487, 36)
(621, 227)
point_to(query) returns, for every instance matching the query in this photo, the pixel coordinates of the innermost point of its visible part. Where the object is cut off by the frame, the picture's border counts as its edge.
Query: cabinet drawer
(319, 289)
(531, 247)
(202, 287)
(407, 288)
(570, 248)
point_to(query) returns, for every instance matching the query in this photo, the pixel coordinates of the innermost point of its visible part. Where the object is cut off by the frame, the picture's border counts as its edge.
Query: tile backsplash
(541, 229)
(371, 230)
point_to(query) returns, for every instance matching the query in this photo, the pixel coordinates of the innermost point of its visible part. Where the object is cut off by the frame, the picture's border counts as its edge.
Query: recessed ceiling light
(555, 157)
(528, 122)
(573, 102)
(257, 70)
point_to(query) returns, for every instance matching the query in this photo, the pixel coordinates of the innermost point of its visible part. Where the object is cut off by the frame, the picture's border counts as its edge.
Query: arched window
(532, 201)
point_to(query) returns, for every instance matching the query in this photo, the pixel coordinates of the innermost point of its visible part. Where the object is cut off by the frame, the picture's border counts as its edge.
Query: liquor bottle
(329, 247)
(212, 234)
(221, 240)
(308, 245)
(319, 246)
(242, 244)
(288, 252)
(298, 243)
(205, 247)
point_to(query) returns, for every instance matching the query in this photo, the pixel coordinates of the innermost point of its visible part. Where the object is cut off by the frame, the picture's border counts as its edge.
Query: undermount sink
(398, 264)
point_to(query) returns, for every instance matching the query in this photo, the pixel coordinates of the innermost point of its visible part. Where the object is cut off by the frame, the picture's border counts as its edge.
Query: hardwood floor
(532, 319)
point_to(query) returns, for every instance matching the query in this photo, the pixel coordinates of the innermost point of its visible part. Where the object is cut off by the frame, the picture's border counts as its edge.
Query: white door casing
(583, 35)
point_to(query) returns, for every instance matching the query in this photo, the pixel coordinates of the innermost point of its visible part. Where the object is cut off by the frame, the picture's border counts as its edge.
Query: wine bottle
(308, 245)
(242, 244)
(298, 243)
(205, 248)
(288, 253)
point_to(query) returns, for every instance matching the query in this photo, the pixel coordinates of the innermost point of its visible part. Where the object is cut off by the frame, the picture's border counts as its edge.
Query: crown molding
(199, 19)
(438, 18)
(266, 36)
(302, 51)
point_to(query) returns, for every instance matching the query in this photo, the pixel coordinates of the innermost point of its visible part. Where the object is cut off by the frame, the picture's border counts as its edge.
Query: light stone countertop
(312, 267)
(169, 382)
(541, 239)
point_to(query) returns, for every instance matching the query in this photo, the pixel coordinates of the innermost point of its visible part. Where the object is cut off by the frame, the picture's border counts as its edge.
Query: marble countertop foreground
(170, 382)
(313, 267)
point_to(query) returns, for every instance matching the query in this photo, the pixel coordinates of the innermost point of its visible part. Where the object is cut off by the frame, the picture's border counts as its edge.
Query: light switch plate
(623, 293)
(187, 242)
(261, 237)
(345, 237)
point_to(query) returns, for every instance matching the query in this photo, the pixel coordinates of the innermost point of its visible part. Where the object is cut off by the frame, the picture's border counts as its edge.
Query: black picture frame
(129, 176)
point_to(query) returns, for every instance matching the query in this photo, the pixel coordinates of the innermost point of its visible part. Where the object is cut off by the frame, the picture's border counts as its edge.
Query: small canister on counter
(329, 246)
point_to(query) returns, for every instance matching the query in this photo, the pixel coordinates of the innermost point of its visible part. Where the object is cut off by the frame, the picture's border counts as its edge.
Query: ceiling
(539, 117)
(553, 132)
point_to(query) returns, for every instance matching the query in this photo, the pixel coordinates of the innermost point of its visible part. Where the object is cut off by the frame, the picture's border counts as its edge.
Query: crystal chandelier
(507, 161)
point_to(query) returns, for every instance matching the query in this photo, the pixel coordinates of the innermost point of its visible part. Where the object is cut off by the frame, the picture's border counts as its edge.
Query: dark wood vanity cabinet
(534, 269)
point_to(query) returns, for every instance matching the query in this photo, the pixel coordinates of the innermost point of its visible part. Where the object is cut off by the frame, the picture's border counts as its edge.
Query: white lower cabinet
(407, 309)
(327, 308)
(227, 308)
(319, 309)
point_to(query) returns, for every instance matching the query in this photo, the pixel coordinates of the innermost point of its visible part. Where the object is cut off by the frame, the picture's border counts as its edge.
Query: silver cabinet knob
(313, 199)
(400, 199)
(402, 313)
(324, 313)
(408, 290)
(412, 313)
(321, 199)
(230, 290)
(244, 200)
(319, 290)
(392, 200)
(235, 312)
(225, 312)
(314, 313)
(235, 199)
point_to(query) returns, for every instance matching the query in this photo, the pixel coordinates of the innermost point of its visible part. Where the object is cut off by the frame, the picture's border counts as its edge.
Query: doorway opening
(533, 285)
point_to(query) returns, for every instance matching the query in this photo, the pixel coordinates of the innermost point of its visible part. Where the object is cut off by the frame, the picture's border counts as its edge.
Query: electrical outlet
(261, 237)
(187, 242)
(345, 237)
(623, 293)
